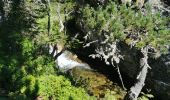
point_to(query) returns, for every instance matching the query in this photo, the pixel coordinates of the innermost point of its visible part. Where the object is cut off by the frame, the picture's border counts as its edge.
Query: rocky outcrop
(158, 78)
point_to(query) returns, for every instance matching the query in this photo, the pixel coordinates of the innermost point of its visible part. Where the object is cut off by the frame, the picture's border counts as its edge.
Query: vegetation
(26, 69)
(28, 27)
(140, 29)
(126, 24)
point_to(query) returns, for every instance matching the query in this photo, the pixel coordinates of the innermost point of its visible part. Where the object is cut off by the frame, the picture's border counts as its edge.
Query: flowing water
(67, 61)
(95, 83)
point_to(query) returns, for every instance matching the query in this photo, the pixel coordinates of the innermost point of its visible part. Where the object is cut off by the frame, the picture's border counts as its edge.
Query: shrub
(40, 65)
(118, 22)
(51, 86)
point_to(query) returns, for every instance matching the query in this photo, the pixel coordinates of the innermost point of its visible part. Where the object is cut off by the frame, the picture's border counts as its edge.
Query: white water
(64, 62)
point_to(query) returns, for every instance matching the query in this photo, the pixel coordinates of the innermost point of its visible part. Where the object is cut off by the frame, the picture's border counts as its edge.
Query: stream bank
(82, 74)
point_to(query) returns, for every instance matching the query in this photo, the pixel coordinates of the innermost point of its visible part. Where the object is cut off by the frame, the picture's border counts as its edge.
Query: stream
(100, 84)
(98, 79)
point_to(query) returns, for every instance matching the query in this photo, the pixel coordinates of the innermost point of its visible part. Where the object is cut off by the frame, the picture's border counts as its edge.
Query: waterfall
(66, 60)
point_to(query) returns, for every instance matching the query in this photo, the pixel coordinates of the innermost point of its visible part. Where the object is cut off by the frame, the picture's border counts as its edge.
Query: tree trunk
(135, 90)
(60, 19)
(3, 5)
(49, 16)
(1, 11)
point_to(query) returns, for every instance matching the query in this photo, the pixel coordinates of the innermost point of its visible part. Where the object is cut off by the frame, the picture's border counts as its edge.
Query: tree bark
(135, 90)
(60, 19)
(49, 16)
(4, 4)
(1, 10)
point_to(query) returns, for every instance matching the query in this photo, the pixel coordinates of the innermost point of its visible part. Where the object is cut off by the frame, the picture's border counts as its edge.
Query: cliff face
(158, 78)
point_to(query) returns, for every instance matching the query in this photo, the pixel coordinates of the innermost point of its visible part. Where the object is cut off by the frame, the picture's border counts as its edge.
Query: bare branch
(60, 19)
(120, 76)
(88, 44)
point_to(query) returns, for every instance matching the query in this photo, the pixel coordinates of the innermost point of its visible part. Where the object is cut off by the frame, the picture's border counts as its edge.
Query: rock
(158, 78)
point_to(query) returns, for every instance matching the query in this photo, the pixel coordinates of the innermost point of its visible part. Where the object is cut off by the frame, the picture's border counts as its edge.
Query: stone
(158, 77)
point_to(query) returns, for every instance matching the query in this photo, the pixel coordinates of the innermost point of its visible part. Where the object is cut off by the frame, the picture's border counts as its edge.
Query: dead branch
(60, 19)
(49, 16)
(120, 76)
(88, 44)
